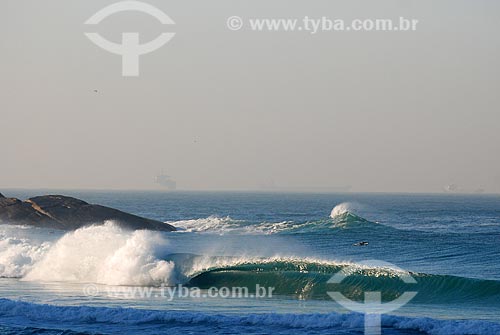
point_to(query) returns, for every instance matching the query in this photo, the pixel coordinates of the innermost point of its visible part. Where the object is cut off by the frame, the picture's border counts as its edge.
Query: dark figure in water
(362, 243)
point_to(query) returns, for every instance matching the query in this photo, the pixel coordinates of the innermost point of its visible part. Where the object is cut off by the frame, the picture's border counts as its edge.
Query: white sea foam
(343, 208)
(226, 225)
(211, 223)
(106, 254)
(18, 252)
(323, 323)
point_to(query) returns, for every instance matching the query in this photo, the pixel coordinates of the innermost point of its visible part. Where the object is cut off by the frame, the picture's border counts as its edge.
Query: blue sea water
(295, 243)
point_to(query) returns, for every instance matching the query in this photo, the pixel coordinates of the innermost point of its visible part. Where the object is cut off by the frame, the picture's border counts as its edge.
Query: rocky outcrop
(61, 212)
(13, 210)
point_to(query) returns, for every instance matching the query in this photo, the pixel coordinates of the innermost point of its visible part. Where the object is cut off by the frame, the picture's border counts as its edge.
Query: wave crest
(308, 279)
(344, 215)
(341, 209)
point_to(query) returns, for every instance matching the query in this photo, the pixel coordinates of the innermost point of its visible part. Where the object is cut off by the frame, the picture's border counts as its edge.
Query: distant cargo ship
(166, 182)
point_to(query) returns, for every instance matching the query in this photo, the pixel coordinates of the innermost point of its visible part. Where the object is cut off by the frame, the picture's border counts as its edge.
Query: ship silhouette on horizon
(166, 182)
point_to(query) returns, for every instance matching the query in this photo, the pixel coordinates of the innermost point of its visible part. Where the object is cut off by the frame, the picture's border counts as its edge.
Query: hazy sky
(221, 109)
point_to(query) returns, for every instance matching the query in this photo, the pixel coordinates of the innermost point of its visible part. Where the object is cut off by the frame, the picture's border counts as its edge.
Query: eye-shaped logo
(373, 308)
(130, 49)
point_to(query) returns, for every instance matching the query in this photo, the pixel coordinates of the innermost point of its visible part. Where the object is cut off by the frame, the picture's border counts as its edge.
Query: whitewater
(293, 243)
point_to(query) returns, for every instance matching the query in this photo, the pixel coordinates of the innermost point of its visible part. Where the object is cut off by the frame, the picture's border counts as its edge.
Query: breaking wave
(342, 216)
(19, 252)
(341, 209)
(308, 279)
(106, 254)
(155, 321)
(227, 225)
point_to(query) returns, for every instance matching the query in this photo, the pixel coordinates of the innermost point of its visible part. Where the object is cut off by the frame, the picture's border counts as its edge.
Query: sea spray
(18, 251)
(106, 254)
(345, 208)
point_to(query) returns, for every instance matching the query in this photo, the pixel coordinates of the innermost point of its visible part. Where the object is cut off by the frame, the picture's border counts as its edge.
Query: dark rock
(13, 210)
(61, 212)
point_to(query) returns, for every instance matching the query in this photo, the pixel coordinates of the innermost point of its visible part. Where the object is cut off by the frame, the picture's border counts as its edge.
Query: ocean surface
(104, 280)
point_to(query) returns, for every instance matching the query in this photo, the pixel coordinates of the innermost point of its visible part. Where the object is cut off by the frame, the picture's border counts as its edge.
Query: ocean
(102, 279)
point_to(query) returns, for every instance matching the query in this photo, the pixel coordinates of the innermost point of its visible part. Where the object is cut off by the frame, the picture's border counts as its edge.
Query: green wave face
(342, 221)
(351, 220)
(308, 280)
